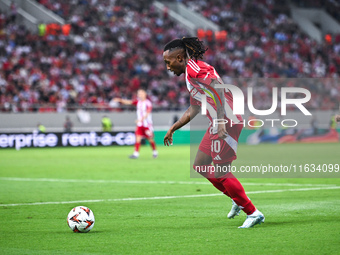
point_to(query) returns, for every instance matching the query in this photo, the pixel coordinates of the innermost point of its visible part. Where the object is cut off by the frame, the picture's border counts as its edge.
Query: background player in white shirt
(144, 121)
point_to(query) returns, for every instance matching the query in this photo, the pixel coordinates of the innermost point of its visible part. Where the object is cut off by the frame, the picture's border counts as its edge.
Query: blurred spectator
(333, 122)
(41, 128)
(337, 117)
(314, 125)
(68, 125)
(13, 12)
(106, 124)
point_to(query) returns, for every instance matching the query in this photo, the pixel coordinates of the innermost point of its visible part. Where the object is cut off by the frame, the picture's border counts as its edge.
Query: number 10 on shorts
(215, 146)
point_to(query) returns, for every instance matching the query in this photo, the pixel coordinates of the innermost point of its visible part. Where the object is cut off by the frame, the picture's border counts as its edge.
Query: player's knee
(197, 168)
(201, 168)
(204, 170)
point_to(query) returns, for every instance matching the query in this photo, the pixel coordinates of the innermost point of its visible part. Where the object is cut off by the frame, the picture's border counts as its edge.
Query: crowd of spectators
(116, 46)
(263, 41)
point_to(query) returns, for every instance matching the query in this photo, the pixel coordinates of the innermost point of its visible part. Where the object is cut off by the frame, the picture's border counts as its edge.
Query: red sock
(211, 177)
(218, 185)
(153, 145)
(237, 193)
(137, 145)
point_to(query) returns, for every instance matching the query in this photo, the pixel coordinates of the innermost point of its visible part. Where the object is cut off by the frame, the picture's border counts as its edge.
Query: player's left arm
(202, 74)
(221, 130)
(337, 118)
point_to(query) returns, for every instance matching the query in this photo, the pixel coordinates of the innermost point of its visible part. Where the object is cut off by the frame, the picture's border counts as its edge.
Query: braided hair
(193, 47)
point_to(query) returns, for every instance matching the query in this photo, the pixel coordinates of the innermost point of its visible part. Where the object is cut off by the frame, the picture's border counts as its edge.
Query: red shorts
(221, 151)
(144, 131)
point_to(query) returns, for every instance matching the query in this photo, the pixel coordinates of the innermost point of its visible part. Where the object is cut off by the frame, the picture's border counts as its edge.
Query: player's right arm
(123, 101)
(189, 114)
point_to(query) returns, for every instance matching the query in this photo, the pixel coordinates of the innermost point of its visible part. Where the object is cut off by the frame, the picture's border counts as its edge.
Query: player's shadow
(273, 223)
(87, 233)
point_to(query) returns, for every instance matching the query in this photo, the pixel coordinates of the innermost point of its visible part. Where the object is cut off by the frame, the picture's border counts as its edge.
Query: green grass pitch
(302, 215)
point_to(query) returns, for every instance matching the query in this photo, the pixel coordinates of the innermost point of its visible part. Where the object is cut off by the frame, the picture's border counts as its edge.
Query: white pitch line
(150, 182)
(164, 197)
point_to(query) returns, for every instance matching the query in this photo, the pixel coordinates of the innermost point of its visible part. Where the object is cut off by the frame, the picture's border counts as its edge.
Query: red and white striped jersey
(143, 108)
(198, 76)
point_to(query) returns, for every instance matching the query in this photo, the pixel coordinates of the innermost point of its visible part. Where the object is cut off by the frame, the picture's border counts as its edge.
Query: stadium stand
(331, 6)
(115, 47)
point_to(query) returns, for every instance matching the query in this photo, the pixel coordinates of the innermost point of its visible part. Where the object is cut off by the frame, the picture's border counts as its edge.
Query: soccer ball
(80, 219)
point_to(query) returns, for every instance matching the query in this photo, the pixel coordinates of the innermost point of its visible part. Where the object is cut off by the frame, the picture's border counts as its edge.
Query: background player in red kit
(144, 121)
(219, 144)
